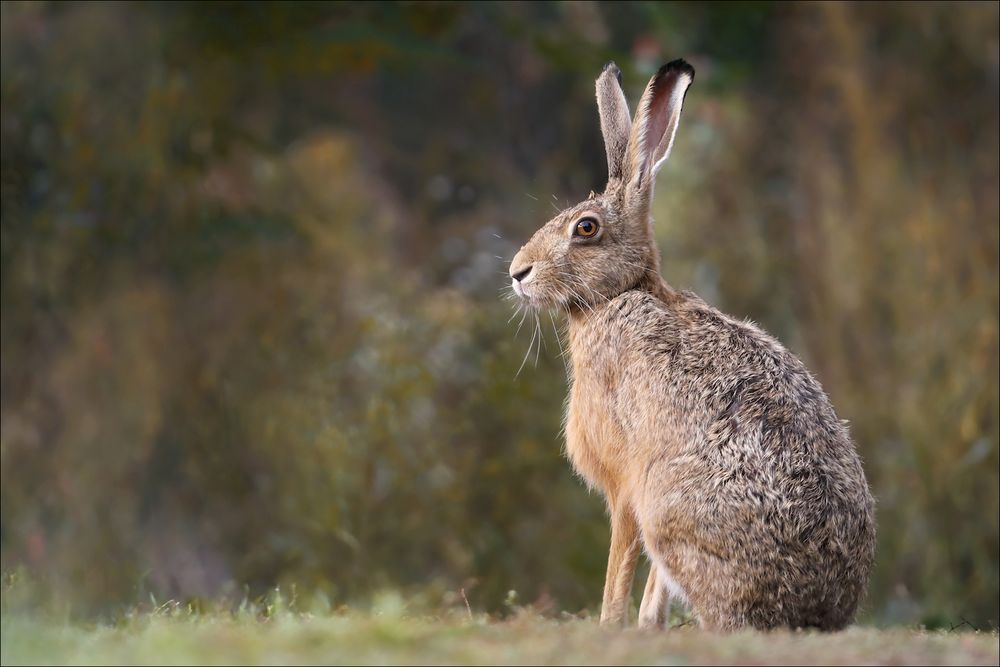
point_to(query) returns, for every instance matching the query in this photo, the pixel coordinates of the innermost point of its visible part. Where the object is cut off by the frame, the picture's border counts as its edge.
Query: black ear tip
(614, 70)
(679, 66)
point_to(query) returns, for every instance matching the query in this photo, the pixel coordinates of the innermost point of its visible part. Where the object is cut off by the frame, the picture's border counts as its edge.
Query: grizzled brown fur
(717, 451)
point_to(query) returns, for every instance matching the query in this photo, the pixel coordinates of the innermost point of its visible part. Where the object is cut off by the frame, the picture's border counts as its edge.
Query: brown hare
(716, 450)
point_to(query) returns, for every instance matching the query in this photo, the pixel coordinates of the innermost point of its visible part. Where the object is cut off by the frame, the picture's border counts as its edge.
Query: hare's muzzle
(519, 274)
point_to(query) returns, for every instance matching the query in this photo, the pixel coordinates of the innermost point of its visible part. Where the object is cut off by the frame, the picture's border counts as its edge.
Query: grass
(388, 635)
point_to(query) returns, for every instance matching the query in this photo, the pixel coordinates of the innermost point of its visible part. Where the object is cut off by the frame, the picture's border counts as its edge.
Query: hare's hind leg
(708, 585)
(655, 607)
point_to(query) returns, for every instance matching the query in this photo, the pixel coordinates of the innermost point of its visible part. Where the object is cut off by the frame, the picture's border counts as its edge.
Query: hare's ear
(616, 122)
(656, 122)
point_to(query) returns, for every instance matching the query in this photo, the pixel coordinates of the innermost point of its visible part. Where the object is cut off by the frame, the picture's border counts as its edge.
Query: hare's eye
(586, 228)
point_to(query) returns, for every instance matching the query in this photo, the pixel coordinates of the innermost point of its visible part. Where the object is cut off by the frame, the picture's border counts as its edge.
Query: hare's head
(605, 245)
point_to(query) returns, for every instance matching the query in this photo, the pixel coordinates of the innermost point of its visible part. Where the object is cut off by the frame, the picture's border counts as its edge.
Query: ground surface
(387, 639)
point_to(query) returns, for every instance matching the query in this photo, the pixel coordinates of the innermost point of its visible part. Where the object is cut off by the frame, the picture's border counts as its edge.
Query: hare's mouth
(537, 287)
(527, 290)
(518, 290)
(531, 294)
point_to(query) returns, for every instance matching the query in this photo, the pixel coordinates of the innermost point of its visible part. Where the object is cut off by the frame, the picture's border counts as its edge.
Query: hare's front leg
(624, 554)
(655, 606)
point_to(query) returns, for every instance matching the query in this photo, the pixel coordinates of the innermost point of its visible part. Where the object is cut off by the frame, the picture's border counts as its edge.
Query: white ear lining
(675, 107)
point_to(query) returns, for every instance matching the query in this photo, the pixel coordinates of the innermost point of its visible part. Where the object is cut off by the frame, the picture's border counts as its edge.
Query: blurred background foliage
(251, 254)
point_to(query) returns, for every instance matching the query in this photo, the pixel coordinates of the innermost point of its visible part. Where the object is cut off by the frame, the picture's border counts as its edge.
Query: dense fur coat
(718, 453)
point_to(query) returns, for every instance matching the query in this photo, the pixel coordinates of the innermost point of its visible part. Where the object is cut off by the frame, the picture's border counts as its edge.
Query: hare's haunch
(718, 453)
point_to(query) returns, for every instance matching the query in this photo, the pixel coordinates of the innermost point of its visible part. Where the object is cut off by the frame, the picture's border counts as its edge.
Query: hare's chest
(595, 440)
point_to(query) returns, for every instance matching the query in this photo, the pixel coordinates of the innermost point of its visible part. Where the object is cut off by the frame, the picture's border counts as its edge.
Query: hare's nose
(521, 274)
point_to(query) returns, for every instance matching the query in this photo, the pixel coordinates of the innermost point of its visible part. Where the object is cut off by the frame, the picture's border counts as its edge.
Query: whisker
(644, 269)
(526, 355)
(583, 302)
(521, 323)
(541, 335)
(541, 338)
(562, 352)
(587, 287)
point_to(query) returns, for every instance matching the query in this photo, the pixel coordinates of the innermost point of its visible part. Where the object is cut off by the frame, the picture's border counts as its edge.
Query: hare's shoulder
(709, 347)
(695, 338)
(683, 326)
(723, 342)
(641, 316)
